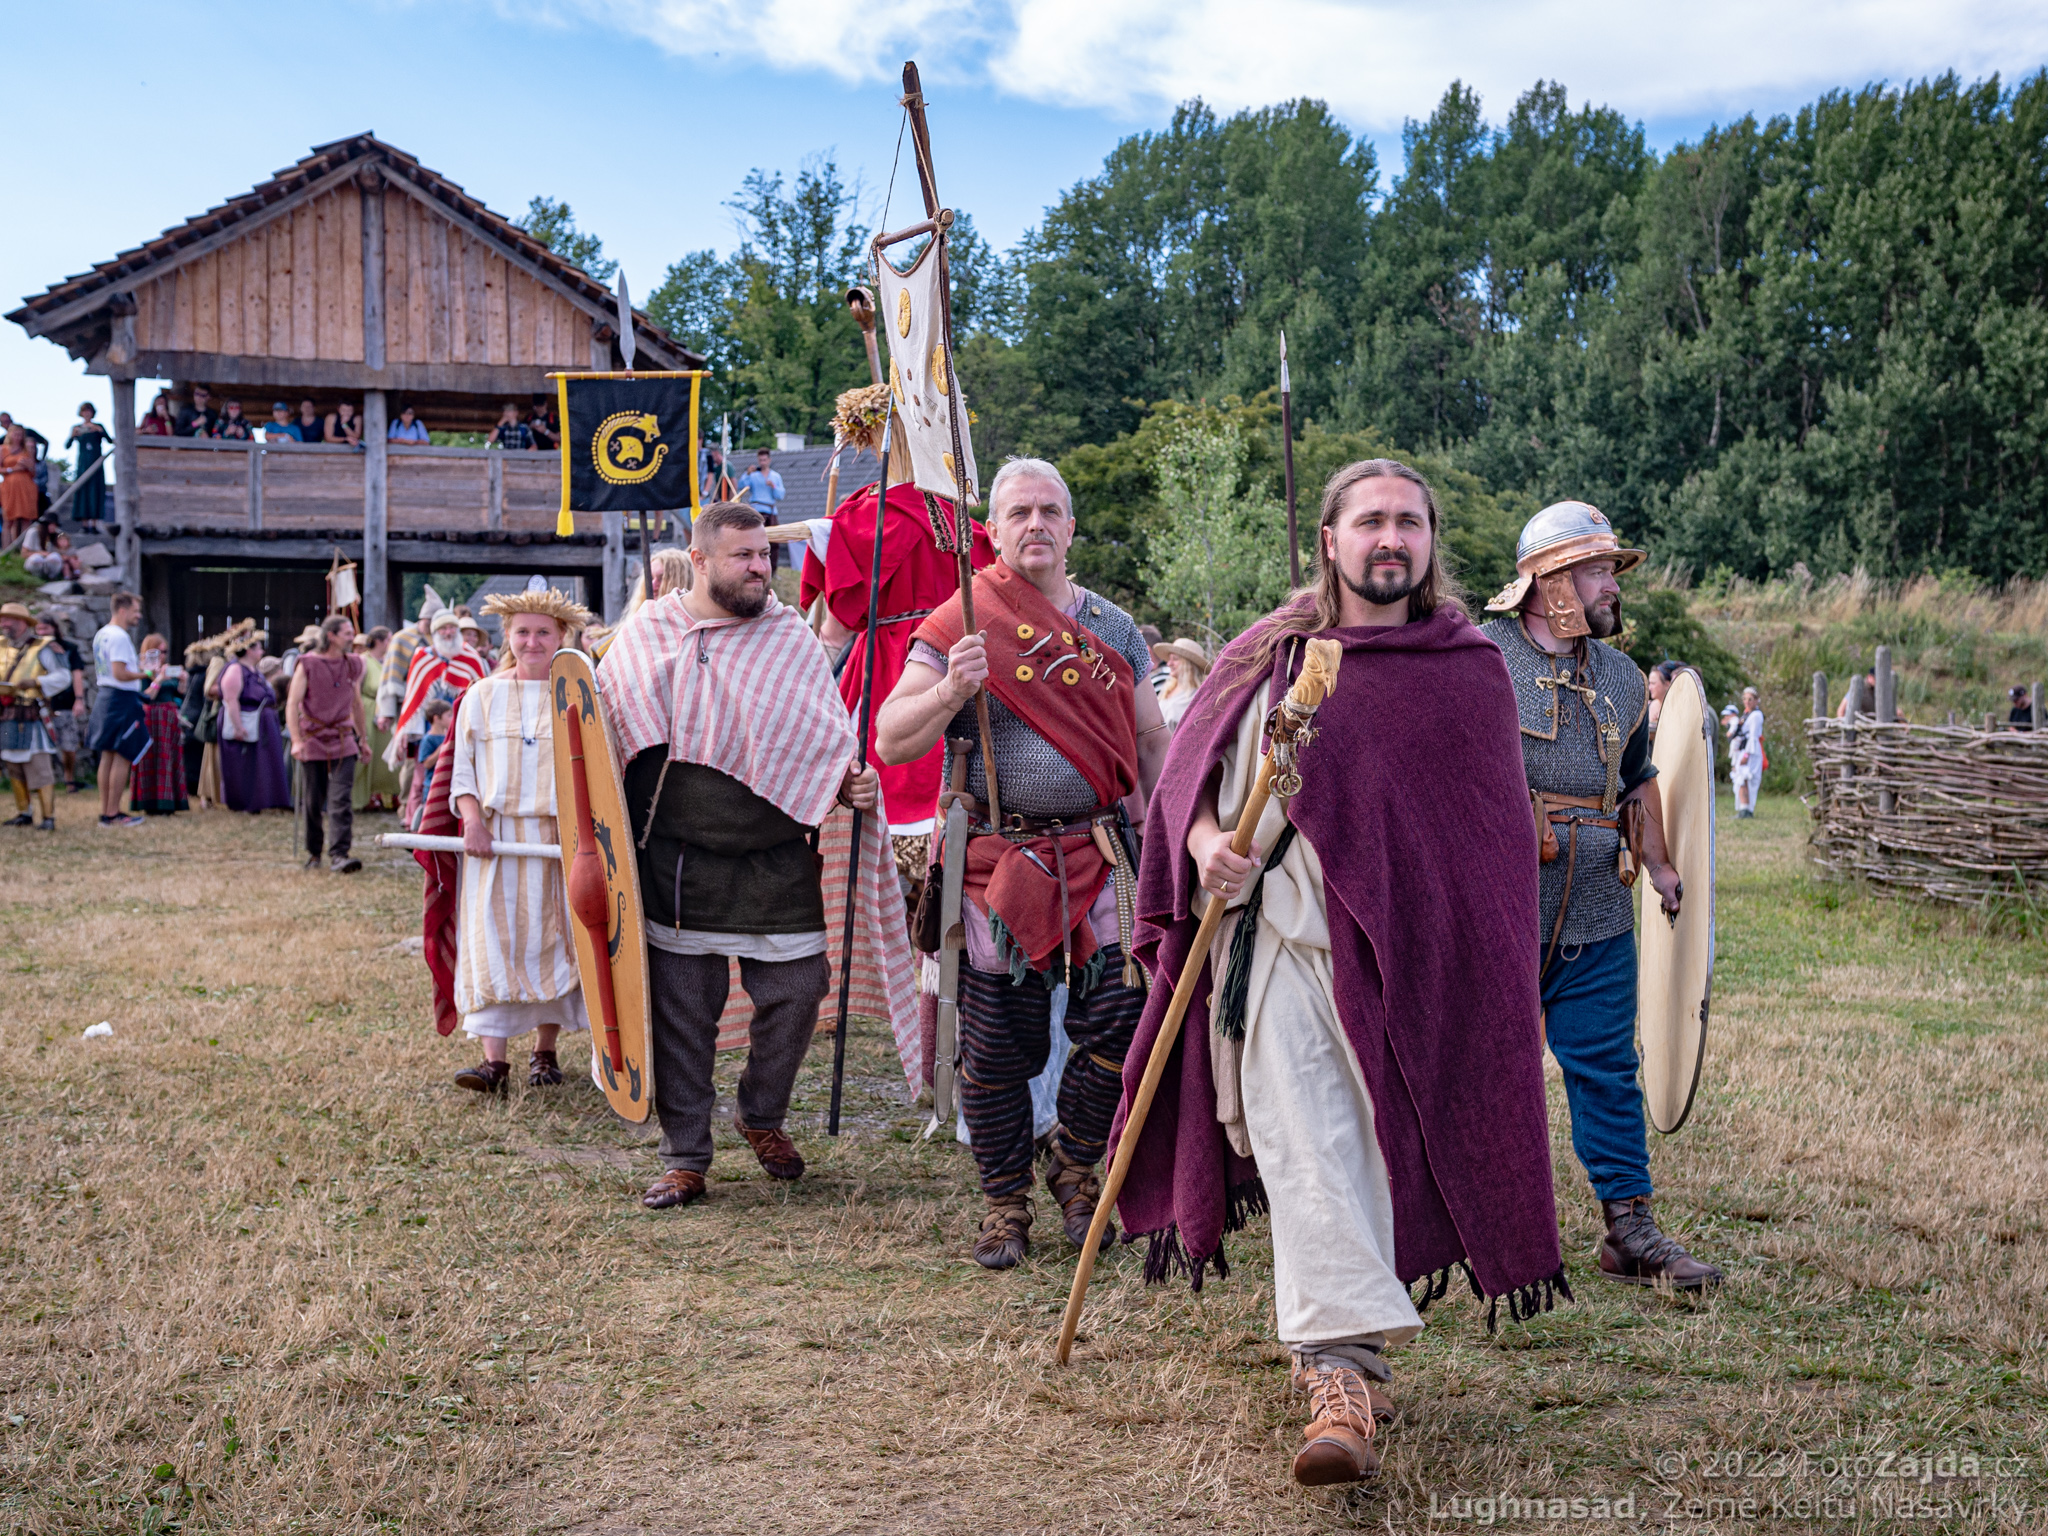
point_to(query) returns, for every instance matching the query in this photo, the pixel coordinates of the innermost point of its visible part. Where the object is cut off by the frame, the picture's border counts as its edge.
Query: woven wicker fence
(1951, 812)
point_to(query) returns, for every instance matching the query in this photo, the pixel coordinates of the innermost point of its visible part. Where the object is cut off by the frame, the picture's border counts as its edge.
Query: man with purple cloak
(1363, 1057)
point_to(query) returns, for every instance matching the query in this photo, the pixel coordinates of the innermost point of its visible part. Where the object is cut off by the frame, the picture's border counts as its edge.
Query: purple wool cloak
(1415, 800)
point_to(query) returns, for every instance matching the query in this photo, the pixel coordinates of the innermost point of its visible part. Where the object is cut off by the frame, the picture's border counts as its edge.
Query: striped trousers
(1005, 1035)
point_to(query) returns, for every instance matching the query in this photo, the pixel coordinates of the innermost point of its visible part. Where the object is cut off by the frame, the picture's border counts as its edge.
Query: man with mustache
(737, 746)
(1075, 732)
(1586, 747)
(1364, 1060)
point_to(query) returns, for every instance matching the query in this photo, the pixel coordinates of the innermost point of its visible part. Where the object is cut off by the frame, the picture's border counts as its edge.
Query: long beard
(1383, 584)
(741, 599)
(447, 650)
(1604, 619)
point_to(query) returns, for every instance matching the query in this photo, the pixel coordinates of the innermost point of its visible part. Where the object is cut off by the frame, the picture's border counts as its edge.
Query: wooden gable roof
(357, 267)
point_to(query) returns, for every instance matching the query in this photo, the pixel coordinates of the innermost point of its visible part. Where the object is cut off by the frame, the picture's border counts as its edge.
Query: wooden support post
(127, 493)
(615, 593)
(1990, 722)
(494, 514)
(1951, 719)
(377, 605)
(2034, 708)
(1820, 695)
(1855, 706)
(372, 185)
(1887, 712)
(255, 462)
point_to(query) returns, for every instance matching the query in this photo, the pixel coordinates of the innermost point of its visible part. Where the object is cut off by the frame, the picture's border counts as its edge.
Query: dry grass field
(263, 1269)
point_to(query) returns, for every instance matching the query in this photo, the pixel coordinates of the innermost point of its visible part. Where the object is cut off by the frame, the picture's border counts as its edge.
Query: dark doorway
(206, 599)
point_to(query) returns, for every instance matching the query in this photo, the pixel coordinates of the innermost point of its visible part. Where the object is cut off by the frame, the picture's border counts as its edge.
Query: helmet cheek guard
(1562, 610)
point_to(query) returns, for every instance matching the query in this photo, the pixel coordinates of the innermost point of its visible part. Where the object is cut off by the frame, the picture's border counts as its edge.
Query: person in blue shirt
(762, 487)
(408, 428)
(281, 428)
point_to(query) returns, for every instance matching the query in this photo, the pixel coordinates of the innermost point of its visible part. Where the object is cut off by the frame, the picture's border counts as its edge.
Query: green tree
(1217, 558)
(553, 224)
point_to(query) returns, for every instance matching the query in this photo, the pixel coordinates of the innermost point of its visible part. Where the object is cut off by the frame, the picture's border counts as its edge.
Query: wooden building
(356, 274)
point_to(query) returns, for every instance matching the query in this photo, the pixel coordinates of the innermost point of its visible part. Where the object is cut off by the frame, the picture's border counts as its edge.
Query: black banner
(628, 445)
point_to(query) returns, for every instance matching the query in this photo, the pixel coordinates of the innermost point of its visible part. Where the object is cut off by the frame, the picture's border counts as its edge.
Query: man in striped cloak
(737, 746)
(515, 968)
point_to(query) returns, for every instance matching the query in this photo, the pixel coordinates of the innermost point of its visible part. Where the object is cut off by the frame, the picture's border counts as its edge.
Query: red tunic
(917, 576)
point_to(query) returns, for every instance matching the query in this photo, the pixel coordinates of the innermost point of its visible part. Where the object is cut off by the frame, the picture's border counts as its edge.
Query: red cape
(917, 576)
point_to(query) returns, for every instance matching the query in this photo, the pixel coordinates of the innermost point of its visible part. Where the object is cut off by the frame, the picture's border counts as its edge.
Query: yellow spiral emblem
(1023, 674)
(938, 369)
(1070, 677)
(951, 473)
(903, 312)
(1026, 632)
(623, 450)
(895, 381)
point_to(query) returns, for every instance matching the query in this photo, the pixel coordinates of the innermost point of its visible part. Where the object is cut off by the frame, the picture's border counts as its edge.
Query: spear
(1278, 774)
(1287, 455)
(853, 867)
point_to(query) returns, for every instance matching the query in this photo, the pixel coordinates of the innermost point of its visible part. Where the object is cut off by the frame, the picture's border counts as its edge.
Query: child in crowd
(439, 722)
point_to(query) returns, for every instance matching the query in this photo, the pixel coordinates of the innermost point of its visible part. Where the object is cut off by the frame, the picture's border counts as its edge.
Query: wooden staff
(867, 704)
(963, 529)
(1277, 775)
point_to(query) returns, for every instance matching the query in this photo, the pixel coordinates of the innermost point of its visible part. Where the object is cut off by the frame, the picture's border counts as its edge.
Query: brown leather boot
(1078, 1189)
(679, 1186)
(543, 1070)
(1338, 1444)
(778, 1155)
(1005, 1233)
(485, 1077)
(1637, 1253)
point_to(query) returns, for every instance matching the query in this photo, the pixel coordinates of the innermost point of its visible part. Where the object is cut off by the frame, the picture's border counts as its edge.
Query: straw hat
(545, 601)
(1187, 651)
(16, 611)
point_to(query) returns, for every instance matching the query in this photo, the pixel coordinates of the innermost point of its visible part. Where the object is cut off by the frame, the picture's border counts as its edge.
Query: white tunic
(515, 967)
(1297, 1101)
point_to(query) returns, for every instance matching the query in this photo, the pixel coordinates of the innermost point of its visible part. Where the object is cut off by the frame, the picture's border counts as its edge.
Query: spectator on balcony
(308, 421)
(159, 422)
(17, 485)
(233, 426)
(281, 428)
(542, 426)
(89, 438)
(408, 428)
(343, 425)
(510, 431)
(39, 446)
(199, 418)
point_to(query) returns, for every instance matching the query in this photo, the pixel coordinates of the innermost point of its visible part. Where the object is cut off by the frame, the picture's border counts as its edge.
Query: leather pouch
(1546, 834)
(1629, 858)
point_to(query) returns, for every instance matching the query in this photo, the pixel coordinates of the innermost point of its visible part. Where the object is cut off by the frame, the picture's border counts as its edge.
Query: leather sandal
(485, 1077)
(1338, 1442)
(679, 1186)
(542, 1070)
(1636, 1252)
(1005, 1233)
(1078, 1189)
(777, 1154)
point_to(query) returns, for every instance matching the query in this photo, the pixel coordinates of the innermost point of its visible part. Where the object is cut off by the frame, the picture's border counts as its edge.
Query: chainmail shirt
(1032, 774)
(1563, 754)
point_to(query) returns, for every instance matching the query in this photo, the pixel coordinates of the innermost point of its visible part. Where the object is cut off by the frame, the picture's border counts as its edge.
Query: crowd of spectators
(200, 416)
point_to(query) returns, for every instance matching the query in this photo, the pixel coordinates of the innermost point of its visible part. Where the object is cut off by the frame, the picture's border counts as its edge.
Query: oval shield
(603, 888)
(1676, 959)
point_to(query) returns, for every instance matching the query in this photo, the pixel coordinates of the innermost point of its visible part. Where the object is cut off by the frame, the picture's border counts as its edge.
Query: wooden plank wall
(450, 298)
(294, 288)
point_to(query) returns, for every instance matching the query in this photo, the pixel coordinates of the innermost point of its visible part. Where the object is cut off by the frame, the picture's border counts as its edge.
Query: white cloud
(1375, 63)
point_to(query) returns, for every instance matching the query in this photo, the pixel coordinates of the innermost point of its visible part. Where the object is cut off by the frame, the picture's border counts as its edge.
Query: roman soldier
(33, 670)
(1583, 708)
(1076, 739)
(1362, 1056)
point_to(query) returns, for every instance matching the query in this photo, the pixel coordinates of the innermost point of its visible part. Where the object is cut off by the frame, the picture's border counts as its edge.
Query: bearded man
(737, 746)
(1363, 1055)
(445, 669)
(1074, 734)
(1585, 733)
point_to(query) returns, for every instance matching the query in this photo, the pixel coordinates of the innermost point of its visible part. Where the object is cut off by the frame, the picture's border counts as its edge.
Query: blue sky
(646, 114)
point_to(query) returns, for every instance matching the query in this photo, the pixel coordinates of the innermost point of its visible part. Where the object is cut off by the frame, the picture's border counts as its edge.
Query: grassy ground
(263, 1269)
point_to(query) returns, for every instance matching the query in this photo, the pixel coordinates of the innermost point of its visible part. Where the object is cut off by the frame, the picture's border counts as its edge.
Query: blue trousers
(1589, 1019)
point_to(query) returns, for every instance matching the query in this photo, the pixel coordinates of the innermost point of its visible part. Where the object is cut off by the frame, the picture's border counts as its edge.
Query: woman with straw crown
(515, 968)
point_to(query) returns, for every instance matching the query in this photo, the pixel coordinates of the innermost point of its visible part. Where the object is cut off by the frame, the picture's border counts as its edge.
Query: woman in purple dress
(253, 773)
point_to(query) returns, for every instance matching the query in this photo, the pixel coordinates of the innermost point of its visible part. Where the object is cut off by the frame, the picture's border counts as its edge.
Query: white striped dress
(515, 968)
